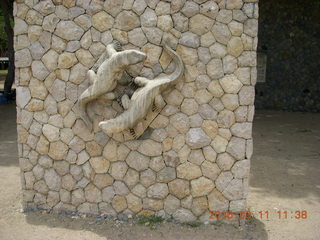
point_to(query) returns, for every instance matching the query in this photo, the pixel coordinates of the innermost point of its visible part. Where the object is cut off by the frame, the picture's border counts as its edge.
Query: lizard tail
(84, 99)
(178, 72)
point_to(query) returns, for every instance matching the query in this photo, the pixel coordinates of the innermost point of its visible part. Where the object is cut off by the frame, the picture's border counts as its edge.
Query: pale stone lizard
(143, 99)
(109, 73)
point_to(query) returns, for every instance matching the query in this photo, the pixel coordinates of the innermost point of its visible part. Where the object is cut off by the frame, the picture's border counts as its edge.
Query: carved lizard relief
(110, 70)
(143, 98)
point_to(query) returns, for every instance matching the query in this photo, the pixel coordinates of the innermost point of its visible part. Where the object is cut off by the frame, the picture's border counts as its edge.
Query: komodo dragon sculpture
(110, 71)
(143, 98)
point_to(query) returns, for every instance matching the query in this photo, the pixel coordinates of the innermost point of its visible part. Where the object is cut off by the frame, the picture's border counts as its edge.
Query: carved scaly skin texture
(143, 99)
(105, 81)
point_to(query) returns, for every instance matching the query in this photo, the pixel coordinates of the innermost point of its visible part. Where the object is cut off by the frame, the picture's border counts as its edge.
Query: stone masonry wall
(194, 157)
(290, 37)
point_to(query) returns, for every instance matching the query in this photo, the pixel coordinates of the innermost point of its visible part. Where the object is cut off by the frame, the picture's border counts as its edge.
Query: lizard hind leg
(141, 81)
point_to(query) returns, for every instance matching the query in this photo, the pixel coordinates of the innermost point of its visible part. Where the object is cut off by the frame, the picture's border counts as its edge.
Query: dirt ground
(285, 175)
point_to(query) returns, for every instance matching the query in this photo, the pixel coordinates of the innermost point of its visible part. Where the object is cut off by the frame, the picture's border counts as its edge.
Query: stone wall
(290, 38)
(195, 155)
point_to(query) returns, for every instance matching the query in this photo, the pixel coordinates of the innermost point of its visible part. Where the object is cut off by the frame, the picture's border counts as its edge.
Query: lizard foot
(133, 133)
(117, 46)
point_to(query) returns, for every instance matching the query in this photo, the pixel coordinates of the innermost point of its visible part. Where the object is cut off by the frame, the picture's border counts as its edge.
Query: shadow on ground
(8, 135)
(286, 160)
(109, 229)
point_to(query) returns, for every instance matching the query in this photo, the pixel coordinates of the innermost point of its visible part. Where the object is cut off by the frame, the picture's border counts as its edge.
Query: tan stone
(235, 46)
(217, 201)
(202, 96)
(110, 151)
(67, 60)
(158, 191)
(234, 191)
(215, 69)
(99, 164)
(179, 188)
(118, 170)
(243, 130)
(171, 204)
(102, 180)
(165, 23)
(126, 21)
(137, 37)
(221, 33)
(152, 204)
(108, 194)
(237, 147)
(131, 178)
(52, 179)
(234, 4)
(201, 186)
(102, 21)
(150, 148)
(68, 30)
(215, 88)
(140, 191)
(209, 154)
(226, 119)
(225, 161)
(137, 161)
(200, 24)
(224, 16)
(241, 169)
(230, 101)
(181, 122)
(119, 203)
(236, 28)
(230, 84)
(219, 144)
(93, 149)
(147, 177)
(210, 170)
(199, 205)
(246, 95)
(184, 215)
(174, 98)
(134, 203)
(58, 150)
(85, 58)
(188, 171)
(120, 36)
(196, 157)
(156, 163)
(210, 127)
(120, 188)
(188, 55)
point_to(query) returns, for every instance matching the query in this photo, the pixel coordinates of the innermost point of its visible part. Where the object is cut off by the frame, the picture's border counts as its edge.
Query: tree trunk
(7, 6)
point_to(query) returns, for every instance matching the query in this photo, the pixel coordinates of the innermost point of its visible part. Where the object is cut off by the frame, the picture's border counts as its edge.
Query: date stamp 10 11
(262, 215)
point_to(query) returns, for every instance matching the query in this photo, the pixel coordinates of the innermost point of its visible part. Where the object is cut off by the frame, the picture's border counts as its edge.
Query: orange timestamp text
(262, 215)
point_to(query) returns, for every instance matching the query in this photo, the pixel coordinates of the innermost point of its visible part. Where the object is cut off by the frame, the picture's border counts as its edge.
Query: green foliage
(150, 221)
(3, 35)
(3, 72)
(192, 224)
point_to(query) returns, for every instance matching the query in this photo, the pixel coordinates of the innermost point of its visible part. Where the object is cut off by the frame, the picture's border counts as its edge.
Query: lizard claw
(117, 45)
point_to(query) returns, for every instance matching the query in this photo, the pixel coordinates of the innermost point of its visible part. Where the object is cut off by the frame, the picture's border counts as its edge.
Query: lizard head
(134, 56)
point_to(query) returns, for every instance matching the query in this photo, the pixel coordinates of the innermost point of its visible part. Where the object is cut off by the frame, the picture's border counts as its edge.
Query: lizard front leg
(125, 101)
